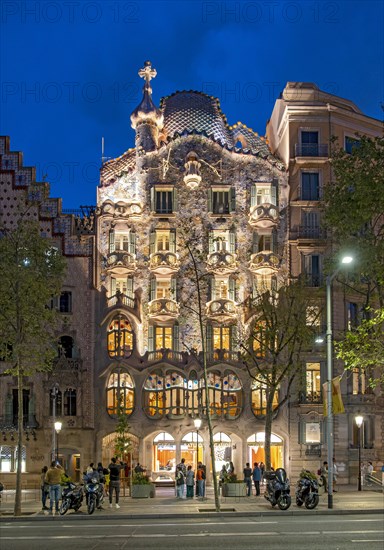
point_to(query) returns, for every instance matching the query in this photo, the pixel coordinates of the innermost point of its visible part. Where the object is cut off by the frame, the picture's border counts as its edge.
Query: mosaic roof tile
(114, 167)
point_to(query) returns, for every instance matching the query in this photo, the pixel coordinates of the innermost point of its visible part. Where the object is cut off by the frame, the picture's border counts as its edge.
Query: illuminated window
(120, 393)
(225, 394)
(313, 382)
(359, 383)
(163, 337)
(165, 394)
(259, 393)
(258, 339)
(120, 337)
(163, 289)
(221, 200)
(221, 338)
(8, 458)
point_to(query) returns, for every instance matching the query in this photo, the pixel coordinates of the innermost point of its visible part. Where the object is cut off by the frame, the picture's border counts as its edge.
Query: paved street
(290, 532)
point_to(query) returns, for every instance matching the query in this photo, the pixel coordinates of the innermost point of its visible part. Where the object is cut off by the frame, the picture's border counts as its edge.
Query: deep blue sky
(69, 69)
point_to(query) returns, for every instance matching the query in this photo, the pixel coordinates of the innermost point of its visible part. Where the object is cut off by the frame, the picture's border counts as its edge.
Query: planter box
(143, 491)
(234, 490)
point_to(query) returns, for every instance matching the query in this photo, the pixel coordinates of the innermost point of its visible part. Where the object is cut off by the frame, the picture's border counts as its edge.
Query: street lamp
(359, 422)
(58, 426)
(197, 423)
(345, 260)
(54, 394)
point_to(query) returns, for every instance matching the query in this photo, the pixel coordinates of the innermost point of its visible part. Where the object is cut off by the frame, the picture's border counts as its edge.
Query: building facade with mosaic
(247, 210)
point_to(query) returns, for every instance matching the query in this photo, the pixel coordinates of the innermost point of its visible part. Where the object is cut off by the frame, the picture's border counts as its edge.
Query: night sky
(69, 69)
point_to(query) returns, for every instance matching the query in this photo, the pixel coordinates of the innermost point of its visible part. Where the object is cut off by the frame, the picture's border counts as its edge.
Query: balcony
(163, 309)
(264, 263)
(120, 299)
(222, 262)
(307, 233)
(311, 150)
(263, 216)
(221, 309)
(164, 263)
(120, 263)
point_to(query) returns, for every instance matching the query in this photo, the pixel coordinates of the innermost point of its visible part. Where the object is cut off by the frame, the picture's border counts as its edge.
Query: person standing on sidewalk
(200, 478)
(247, 472)
(114, 480)
(181, 474)
(256, 476)
(53, 478)
(190, 480)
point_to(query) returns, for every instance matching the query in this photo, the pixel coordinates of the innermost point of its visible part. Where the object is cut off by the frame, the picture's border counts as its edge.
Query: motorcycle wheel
(311, 501)
(64, 507)
(284, 502)
(91, 504)
(299, 502)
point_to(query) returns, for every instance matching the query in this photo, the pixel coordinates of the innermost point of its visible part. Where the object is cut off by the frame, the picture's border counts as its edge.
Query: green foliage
(354, 212)
(31, 273)
(231, 478)
(306, 474)
(363, 348)
(139, 478)
(123, 443)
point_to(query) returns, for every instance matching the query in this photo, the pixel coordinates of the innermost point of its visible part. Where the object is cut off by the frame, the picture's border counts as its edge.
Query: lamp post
(197, 423)
(359, 422)
(58, 426)
(54, 394)
(344, 260)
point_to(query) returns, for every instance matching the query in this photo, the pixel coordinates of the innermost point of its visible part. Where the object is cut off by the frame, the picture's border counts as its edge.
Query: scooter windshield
(281, 475)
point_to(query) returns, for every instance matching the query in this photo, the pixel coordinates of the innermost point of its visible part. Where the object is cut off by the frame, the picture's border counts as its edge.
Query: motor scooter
(277, 490)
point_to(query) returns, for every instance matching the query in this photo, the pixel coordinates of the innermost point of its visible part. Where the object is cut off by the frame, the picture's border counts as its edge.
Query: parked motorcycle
(72, 497)
(277, 491)
(94, 494)
(307, 490)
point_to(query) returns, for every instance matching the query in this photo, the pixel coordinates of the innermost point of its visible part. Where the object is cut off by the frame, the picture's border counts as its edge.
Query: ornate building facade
(246, 209)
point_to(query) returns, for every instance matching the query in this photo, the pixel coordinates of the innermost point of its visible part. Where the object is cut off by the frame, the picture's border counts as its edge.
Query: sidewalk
(165, 505)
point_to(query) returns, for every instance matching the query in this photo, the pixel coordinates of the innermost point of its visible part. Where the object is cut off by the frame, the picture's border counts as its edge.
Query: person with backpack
(114, 480)
(200, 478)
(180, 477)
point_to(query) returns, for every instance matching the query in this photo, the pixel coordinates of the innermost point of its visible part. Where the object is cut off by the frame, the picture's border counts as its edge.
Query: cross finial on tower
(147, 72)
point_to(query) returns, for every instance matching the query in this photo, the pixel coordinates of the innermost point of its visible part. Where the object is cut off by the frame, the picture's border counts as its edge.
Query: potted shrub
(142, 486)
(233, 487)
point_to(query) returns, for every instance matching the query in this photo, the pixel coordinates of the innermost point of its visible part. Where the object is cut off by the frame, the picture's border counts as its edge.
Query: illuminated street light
(359, 422)
(58, 425)
(345, 260)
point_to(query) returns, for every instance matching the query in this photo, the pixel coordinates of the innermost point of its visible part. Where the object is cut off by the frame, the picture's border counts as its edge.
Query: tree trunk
(17, 509)
(268, 429)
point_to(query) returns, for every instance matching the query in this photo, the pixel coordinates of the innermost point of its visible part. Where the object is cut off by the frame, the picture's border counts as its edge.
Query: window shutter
(232, 242)
(211, 288)
(173, 289)
(209, 200)
(274, 191)
(153, 289)
(113, 286)
(152, 242)
(153, 205)
(151, 338)
(274, 241)
(253, 195)
(301, 432)
(254, 287)
(175, 337)
(209, 340)
(323, 373)
(175, 205)
(111, 241)
(210, 242)
(232, 205)
(232, 289)
(132, 242)
(255, 243)
(233, 337)
(172, 241)
(130, 287)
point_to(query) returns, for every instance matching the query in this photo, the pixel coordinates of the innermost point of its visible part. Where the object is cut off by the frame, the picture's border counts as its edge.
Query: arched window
(165, 394)
(192, 448)
(225, 394)
(120, 337)
(66, 347)
(120, 393)
(164, 454)
(259, 398)
(223, 450)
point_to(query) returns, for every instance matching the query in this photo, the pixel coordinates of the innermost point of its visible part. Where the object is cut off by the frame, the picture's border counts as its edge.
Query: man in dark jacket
(248, 478)
(114, 483)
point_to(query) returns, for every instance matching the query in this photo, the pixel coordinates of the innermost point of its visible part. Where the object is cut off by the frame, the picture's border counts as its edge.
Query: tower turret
(147, 119)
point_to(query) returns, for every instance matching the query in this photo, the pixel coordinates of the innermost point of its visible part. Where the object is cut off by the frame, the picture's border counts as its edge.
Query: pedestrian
(190, 481)
(201, 476)
(44, 488)
(139, 469)
(247, 472)
(324, 475)
(262, 469)
(53, 478)
(90, 468)
(231, 469)
(335, 474)
(114, 481)
(256, 476)
(180, 476)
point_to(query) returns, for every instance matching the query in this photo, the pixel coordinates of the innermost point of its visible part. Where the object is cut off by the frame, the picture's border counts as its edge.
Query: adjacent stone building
(246, 209)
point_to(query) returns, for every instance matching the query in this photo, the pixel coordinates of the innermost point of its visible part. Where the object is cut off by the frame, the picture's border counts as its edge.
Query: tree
(31, 273)
(283, 325)
(354, 212)
(123, 444)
